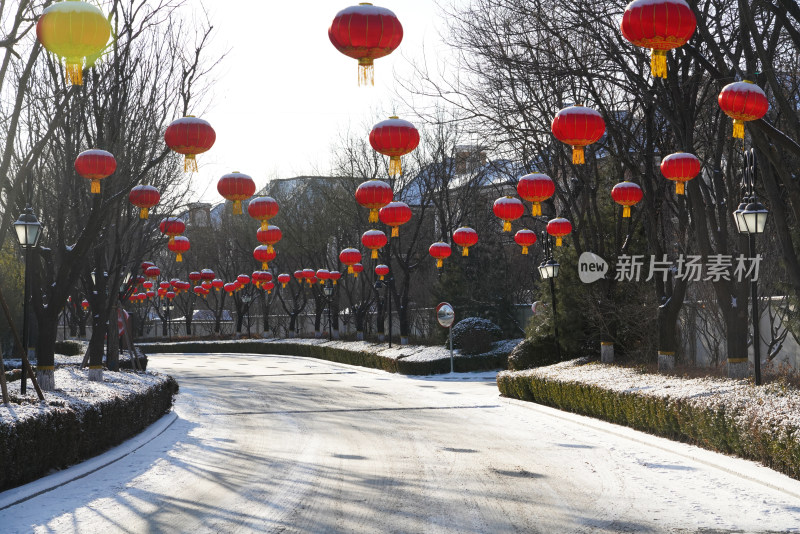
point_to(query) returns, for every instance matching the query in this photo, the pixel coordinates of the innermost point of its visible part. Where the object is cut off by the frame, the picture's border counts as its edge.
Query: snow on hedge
(773, 405)
(74, 389)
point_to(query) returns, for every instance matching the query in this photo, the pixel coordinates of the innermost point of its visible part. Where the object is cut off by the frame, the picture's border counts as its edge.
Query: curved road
(282, 444)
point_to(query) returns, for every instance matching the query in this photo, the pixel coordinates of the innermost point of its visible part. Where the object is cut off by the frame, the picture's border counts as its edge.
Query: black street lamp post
(28, 231)
(328, 291)
(751, 219)
(548, 270)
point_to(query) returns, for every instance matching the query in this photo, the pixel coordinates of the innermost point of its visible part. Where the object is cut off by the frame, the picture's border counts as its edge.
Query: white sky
(283, 93)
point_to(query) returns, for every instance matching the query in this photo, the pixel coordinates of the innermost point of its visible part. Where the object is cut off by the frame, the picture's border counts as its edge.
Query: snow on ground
(773, 404)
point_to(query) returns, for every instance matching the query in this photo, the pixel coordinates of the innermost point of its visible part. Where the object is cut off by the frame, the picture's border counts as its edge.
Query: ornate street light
(28, 231)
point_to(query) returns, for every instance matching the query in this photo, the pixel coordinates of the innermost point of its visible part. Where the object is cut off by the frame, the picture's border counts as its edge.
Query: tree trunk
(96, 345)
(45, 354)
(112, 358)
(736, 337)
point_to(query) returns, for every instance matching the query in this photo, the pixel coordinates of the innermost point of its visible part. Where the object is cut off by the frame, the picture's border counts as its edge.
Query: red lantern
(153, 272)
(198, 290)
(357, 268)
(263, 209)
(144, 197)
(626, 194)
(558, 228)
(743, 102)
(365, 32)
(465, 237)
(525, 238)
(151, 294)
(236, 187)
(373, 195)
(508, 209)
(440, 251)
(207, 285)
(170, 295)
(207, 274)
(659, 25)
(374, 240)
(335, 276)
(243, 279)
(284, 278)
(264, 255)
(269, 236)
(578, 126)
(395, 214)
(217, 283)
(536, 188)
(230, 288)
(190, 136)
(146, 264)
(147, 285)
(322, 275)
(95, 165)
(349, 257)
(382, 270)
(269, 286)
(179, 245)
(195, 277)
(172, 227)
(680, 167)
(299, 275)
(394, 138)
(164, 285)
(309, 275)
(85, 304)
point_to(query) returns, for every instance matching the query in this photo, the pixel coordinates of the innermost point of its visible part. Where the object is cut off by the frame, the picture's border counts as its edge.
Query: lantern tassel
(95, 187)
(738, 129)
(658, 63)
(75, 72)
(334, 282)
(366, 72)
(381, 277)
(237, 207)
(179, 257)
(350, 269)
(395, 231)
(536, 210)
(506, 226)
(264, 266)
(439, 263)
(525, 250)
(373, 215)
(395, 166)
(265, 225)
(144, 213)
(680, 188)
(465, 252)
(558, 241)
(626, 212)
(270, 249)
(374, 254)
(355, 274)
(284, 286)
(577, 155)
(171, 239)
(189, 163)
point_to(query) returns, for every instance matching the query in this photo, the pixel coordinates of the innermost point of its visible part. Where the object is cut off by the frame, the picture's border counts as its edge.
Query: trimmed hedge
(462, 364)
(677, 419)
(63, 435)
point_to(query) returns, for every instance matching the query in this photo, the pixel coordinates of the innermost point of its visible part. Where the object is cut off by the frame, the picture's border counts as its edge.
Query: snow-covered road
(281, 444)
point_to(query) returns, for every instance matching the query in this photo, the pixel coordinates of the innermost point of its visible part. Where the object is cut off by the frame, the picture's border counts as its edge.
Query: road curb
(48, 483)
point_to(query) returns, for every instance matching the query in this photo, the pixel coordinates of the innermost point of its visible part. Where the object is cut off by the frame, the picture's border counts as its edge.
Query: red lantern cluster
(578, 126)
(190, 136)
(743, 102)
(465, 237)
(626, 194)
(95, 165)
(144, 197)
(236, 187)
(536, 188)
(394, 138)
(680, 167)
(269, 236)
(366, 33)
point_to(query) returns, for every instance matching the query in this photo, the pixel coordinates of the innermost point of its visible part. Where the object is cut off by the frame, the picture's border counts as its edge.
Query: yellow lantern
(74, 30)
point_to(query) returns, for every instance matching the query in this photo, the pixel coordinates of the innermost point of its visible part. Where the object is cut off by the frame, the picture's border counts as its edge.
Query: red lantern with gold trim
(395, 214)
(366, 33)
(263, 209)
(322, 275)
(263, 254)
(195, 277)
(357, 269)
(172, 227)
(440, 250)
(508, 209)
(190, 136)
(144, 197)
(465, 237)
(270, 236)
(743, 102)
(680, 167)
(349, 257)
(578, 126)
(179, 245)
(381, 270)
(394, 138)
(525, 238)
(95, 165)
(217, 283)
(373, 195)
(284, 279)
(559, 228)
(536, 188)
(335, 277)
(374, 240)
(236, 187)
(659, 25)
(207, 275)
(626, 194)
(153, 272)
